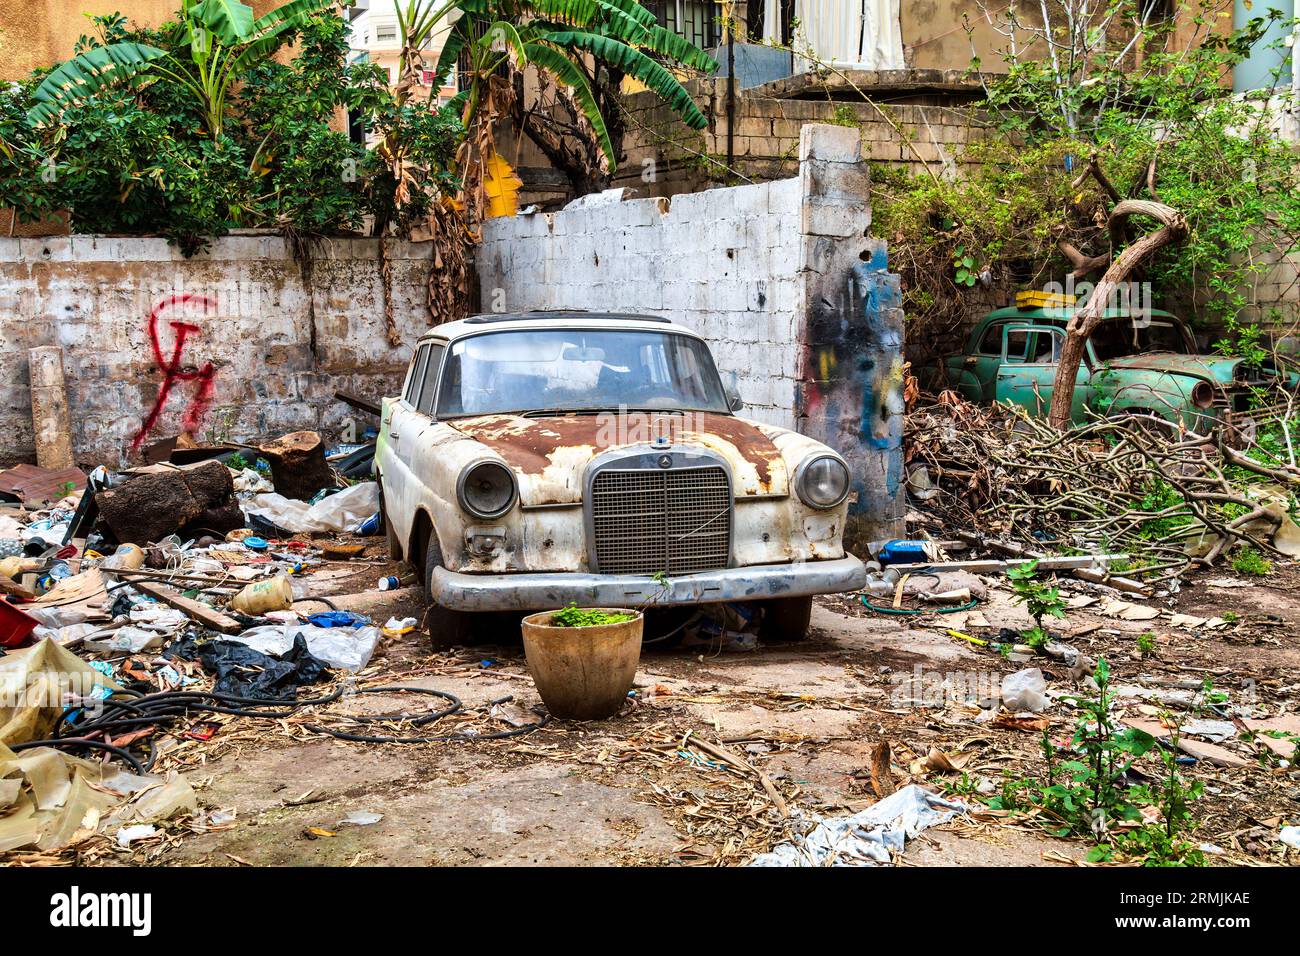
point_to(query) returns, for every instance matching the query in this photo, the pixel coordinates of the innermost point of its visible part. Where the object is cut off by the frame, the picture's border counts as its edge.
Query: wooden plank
(13, 588)
(195, 610)
(360, 404)
(1130, 585)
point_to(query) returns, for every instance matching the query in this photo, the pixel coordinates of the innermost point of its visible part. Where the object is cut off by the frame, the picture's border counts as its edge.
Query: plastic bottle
(127, 557)
(274, 594)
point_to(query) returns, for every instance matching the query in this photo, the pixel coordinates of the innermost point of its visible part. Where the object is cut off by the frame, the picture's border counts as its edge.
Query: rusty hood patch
(1212, 368)
(549, 455)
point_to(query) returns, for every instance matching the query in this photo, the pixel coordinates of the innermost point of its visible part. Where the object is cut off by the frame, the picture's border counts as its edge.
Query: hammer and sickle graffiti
(173, 371)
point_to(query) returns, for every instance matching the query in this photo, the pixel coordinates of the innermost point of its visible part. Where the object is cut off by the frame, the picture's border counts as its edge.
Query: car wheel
(447, 628)
(785, 620)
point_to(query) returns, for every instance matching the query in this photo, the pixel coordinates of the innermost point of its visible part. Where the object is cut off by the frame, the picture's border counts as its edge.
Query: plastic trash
(338, 619)
(128, 835)
(275, 594)
(1290, 836)
(360, 818)
(127, 557)
(869, 837)
(1025, 690)
(339, 512)
(345, 648)
(128, 640)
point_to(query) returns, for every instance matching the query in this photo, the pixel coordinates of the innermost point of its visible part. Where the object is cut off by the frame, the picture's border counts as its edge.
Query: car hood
(1220, 369)
(549, 454)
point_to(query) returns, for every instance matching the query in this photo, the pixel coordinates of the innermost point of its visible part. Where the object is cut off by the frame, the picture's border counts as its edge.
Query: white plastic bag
(342, 511)
(348, 648)
(1025, 690)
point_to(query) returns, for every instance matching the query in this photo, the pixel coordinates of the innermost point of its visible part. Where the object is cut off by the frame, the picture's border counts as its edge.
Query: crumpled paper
(869, 837)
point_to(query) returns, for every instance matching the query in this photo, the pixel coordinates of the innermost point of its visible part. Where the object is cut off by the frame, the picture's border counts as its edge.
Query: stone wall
(915, 117)
(780, 277)
(281, 335)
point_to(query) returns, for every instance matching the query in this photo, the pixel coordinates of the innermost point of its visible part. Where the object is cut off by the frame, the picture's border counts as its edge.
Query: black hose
(128, 711)
(122, 752)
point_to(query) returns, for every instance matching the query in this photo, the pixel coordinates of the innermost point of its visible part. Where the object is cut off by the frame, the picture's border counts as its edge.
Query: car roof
(1062, 315)
(556, 319)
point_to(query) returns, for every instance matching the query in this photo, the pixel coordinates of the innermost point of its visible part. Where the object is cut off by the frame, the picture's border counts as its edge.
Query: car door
(1026, 375)
(400, 429)
(417, 414)
(975, 373)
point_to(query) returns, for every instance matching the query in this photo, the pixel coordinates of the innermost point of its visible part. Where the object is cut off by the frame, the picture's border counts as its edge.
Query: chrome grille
(650, 520)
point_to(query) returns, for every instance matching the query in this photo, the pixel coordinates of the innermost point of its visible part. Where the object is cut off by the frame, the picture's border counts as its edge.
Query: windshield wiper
(548, 412)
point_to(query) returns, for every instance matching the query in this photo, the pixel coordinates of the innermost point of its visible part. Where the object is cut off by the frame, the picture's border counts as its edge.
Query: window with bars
(694, 20)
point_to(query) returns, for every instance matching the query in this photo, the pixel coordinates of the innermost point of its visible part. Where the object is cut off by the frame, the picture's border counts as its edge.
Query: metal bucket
(583, 673)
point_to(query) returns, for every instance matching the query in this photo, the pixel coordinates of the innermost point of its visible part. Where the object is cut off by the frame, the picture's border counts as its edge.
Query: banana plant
(217, 42)
(559, 37)
(555, 36)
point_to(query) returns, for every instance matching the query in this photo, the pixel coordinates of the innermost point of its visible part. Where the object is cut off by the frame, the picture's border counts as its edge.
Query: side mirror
(731, 388)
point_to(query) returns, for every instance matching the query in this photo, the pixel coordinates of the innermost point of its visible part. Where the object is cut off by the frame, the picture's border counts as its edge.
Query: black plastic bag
(244, 672)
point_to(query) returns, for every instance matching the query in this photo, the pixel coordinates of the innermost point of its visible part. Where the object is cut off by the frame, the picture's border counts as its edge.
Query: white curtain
(864, 34)
(882, 36)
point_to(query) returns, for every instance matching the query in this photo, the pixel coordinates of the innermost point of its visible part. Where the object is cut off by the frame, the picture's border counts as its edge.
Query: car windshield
(578, 370)
(1120, 337)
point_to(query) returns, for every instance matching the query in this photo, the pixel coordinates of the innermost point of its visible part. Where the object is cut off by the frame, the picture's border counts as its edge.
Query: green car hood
(1212, 368)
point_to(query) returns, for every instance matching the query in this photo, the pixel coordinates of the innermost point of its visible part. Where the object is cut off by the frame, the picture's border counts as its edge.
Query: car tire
(447, 628)
(785, 620)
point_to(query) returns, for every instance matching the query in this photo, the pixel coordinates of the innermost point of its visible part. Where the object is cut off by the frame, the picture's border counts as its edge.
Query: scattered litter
(868, 838)
(1025, 690)
(340, 512)
(346, 648)
(360, 819)
(128, 835)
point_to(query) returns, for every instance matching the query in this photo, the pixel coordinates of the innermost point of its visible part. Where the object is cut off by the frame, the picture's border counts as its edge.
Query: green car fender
(1166, 395)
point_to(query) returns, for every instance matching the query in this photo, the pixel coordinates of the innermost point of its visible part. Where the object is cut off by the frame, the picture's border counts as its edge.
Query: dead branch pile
(1171, 499)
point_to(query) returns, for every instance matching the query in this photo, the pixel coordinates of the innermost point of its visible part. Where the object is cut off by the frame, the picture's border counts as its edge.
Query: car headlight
(822, 481)
(1203, 395)
(486, 490)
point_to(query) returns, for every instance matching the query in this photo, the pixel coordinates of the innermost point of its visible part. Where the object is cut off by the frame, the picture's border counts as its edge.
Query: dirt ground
(808, 715)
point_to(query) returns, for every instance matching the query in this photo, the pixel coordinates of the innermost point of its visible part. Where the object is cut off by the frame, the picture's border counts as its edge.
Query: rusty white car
(540, 459)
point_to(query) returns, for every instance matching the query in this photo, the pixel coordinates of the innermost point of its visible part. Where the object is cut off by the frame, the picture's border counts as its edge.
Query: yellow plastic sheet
(37, 684)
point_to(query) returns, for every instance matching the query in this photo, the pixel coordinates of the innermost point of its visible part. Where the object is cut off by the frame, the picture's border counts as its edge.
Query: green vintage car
(1148, 367)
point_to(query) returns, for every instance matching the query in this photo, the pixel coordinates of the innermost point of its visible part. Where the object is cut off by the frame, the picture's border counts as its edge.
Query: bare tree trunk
(1173, 228)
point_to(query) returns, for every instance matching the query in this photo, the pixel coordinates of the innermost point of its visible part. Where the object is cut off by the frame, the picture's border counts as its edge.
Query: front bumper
(544, 592)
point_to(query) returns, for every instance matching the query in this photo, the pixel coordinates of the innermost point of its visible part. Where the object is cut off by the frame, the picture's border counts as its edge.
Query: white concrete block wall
(725, 262)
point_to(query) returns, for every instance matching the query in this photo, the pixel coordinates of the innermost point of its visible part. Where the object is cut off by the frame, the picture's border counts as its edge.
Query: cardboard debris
(1284, 747)
(84, 592)
(1212, 753)
(1128, 611)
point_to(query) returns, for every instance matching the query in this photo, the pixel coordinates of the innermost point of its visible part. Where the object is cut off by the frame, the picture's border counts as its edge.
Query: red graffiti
(173, 373)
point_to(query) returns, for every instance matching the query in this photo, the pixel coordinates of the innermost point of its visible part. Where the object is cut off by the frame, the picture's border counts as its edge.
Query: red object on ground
(15, 625)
